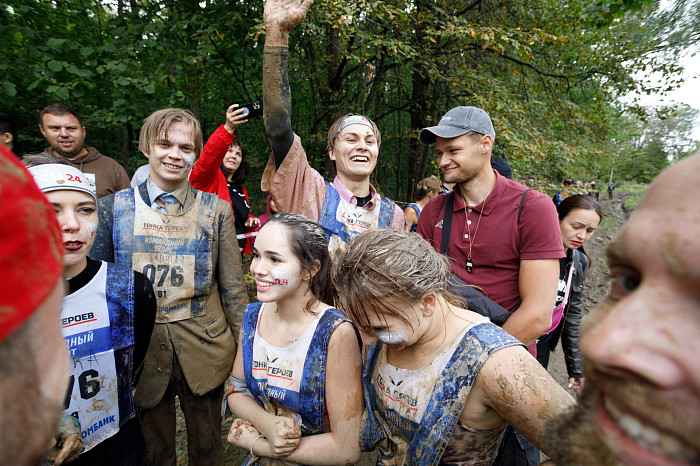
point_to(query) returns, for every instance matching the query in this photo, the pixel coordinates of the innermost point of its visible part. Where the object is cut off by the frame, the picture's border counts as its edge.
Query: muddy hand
(286, 13)
(242, 435)
(285, 435)
(71, 449)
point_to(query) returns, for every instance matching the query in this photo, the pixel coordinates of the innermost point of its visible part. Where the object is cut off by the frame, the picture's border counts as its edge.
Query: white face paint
(91, 229)
(189, 160)
(392, 338)
(281, 277)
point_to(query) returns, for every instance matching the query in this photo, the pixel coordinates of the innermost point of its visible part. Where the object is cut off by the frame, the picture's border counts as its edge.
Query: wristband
(68, 426)
(253, 444)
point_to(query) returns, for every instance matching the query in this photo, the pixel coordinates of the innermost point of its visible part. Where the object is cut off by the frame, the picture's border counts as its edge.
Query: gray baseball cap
(459, 121)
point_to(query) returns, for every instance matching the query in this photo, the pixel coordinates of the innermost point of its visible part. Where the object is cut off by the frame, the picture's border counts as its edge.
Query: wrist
(275, 36)
(252, 446)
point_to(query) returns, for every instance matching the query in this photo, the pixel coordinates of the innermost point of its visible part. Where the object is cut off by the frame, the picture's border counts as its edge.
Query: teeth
(360, 159)
(170, 165)
(263, 284)
(648, 437)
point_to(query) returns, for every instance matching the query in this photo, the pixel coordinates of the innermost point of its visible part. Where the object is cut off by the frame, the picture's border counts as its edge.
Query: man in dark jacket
(65, 133)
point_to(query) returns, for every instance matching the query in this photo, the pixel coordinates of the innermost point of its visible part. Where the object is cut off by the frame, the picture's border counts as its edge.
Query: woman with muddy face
(295, 387)
(107, 340)
(579, 216)
(441, 381)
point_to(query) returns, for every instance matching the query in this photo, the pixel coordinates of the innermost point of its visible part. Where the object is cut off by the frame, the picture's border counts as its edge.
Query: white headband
(55, 176)
(355, 120)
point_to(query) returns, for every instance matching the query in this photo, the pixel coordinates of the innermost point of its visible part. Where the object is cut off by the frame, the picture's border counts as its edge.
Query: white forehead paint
(91, 229)
(189, 160)
(392, 338)
(281, 278)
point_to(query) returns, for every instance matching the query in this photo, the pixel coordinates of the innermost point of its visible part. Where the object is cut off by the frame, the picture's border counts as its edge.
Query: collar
(491, 200)
(347, 195)
(154, 191)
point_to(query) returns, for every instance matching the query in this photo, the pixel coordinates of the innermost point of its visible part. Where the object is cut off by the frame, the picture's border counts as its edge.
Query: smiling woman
(292, 403)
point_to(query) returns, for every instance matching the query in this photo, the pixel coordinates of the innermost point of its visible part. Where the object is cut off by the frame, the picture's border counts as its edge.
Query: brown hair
(333, 131)
(382, 267)
(160, 121)
(429, 184)
(308, 242)
(58, 109)
(578, 201)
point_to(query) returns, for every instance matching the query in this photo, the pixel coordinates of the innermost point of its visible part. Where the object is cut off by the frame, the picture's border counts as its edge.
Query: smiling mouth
(649, 438)
(263, 284)
(174, 167)
(360, 158)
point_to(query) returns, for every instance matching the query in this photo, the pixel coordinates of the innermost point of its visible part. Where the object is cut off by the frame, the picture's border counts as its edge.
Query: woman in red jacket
(220, 170)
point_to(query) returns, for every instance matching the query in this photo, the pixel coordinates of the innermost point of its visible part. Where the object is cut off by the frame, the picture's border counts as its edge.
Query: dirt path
(597, 285)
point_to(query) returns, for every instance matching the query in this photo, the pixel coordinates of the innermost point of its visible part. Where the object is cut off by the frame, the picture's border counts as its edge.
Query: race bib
(92, 390)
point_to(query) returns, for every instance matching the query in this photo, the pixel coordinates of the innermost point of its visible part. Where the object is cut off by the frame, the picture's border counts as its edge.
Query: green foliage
(633, 201)
(653, 141)
(548, 74)
(608, 223)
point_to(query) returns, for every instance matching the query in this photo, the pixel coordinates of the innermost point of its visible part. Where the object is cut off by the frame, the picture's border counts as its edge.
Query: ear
(309, 274)
(331, 154)
(41, 128)
(486, 143)
(428, 304)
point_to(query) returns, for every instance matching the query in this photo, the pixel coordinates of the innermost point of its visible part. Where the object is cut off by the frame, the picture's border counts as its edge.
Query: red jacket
(207, 175)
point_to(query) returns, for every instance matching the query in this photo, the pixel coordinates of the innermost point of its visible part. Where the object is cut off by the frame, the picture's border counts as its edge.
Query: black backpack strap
(449, 205)
(522, 201)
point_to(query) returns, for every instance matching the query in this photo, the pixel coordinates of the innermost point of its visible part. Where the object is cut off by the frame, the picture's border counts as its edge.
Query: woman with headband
(107, 318)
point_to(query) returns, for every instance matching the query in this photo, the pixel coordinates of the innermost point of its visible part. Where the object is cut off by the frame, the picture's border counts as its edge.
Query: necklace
(470, 264)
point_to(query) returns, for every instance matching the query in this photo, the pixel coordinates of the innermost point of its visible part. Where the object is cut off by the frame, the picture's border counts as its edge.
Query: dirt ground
(597, 285)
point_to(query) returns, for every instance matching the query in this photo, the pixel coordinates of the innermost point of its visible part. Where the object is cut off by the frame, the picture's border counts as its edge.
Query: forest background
(550, 74)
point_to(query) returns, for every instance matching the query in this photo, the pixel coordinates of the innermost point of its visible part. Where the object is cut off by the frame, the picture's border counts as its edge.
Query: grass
(633, 201)
(608, 223)
(631, 186)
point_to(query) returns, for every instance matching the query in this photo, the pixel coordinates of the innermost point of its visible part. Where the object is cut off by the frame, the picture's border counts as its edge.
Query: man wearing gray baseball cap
(500, 236)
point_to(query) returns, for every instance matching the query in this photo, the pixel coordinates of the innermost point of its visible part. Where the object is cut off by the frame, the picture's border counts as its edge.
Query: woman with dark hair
(440, 381)
(221, 170)
(233, 168)
(295, 386)
(427, 189)
(579, 216)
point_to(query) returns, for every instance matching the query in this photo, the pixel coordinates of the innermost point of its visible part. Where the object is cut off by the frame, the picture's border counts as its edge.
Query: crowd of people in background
(423, 334)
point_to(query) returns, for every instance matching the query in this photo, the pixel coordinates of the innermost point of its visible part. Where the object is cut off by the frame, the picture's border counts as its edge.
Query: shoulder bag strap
(447, 222)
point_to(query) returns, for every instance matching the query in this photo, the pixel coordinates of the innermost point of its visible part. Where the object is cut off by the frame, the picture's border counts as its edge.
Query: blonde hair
(160, 121)
(381, 268)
